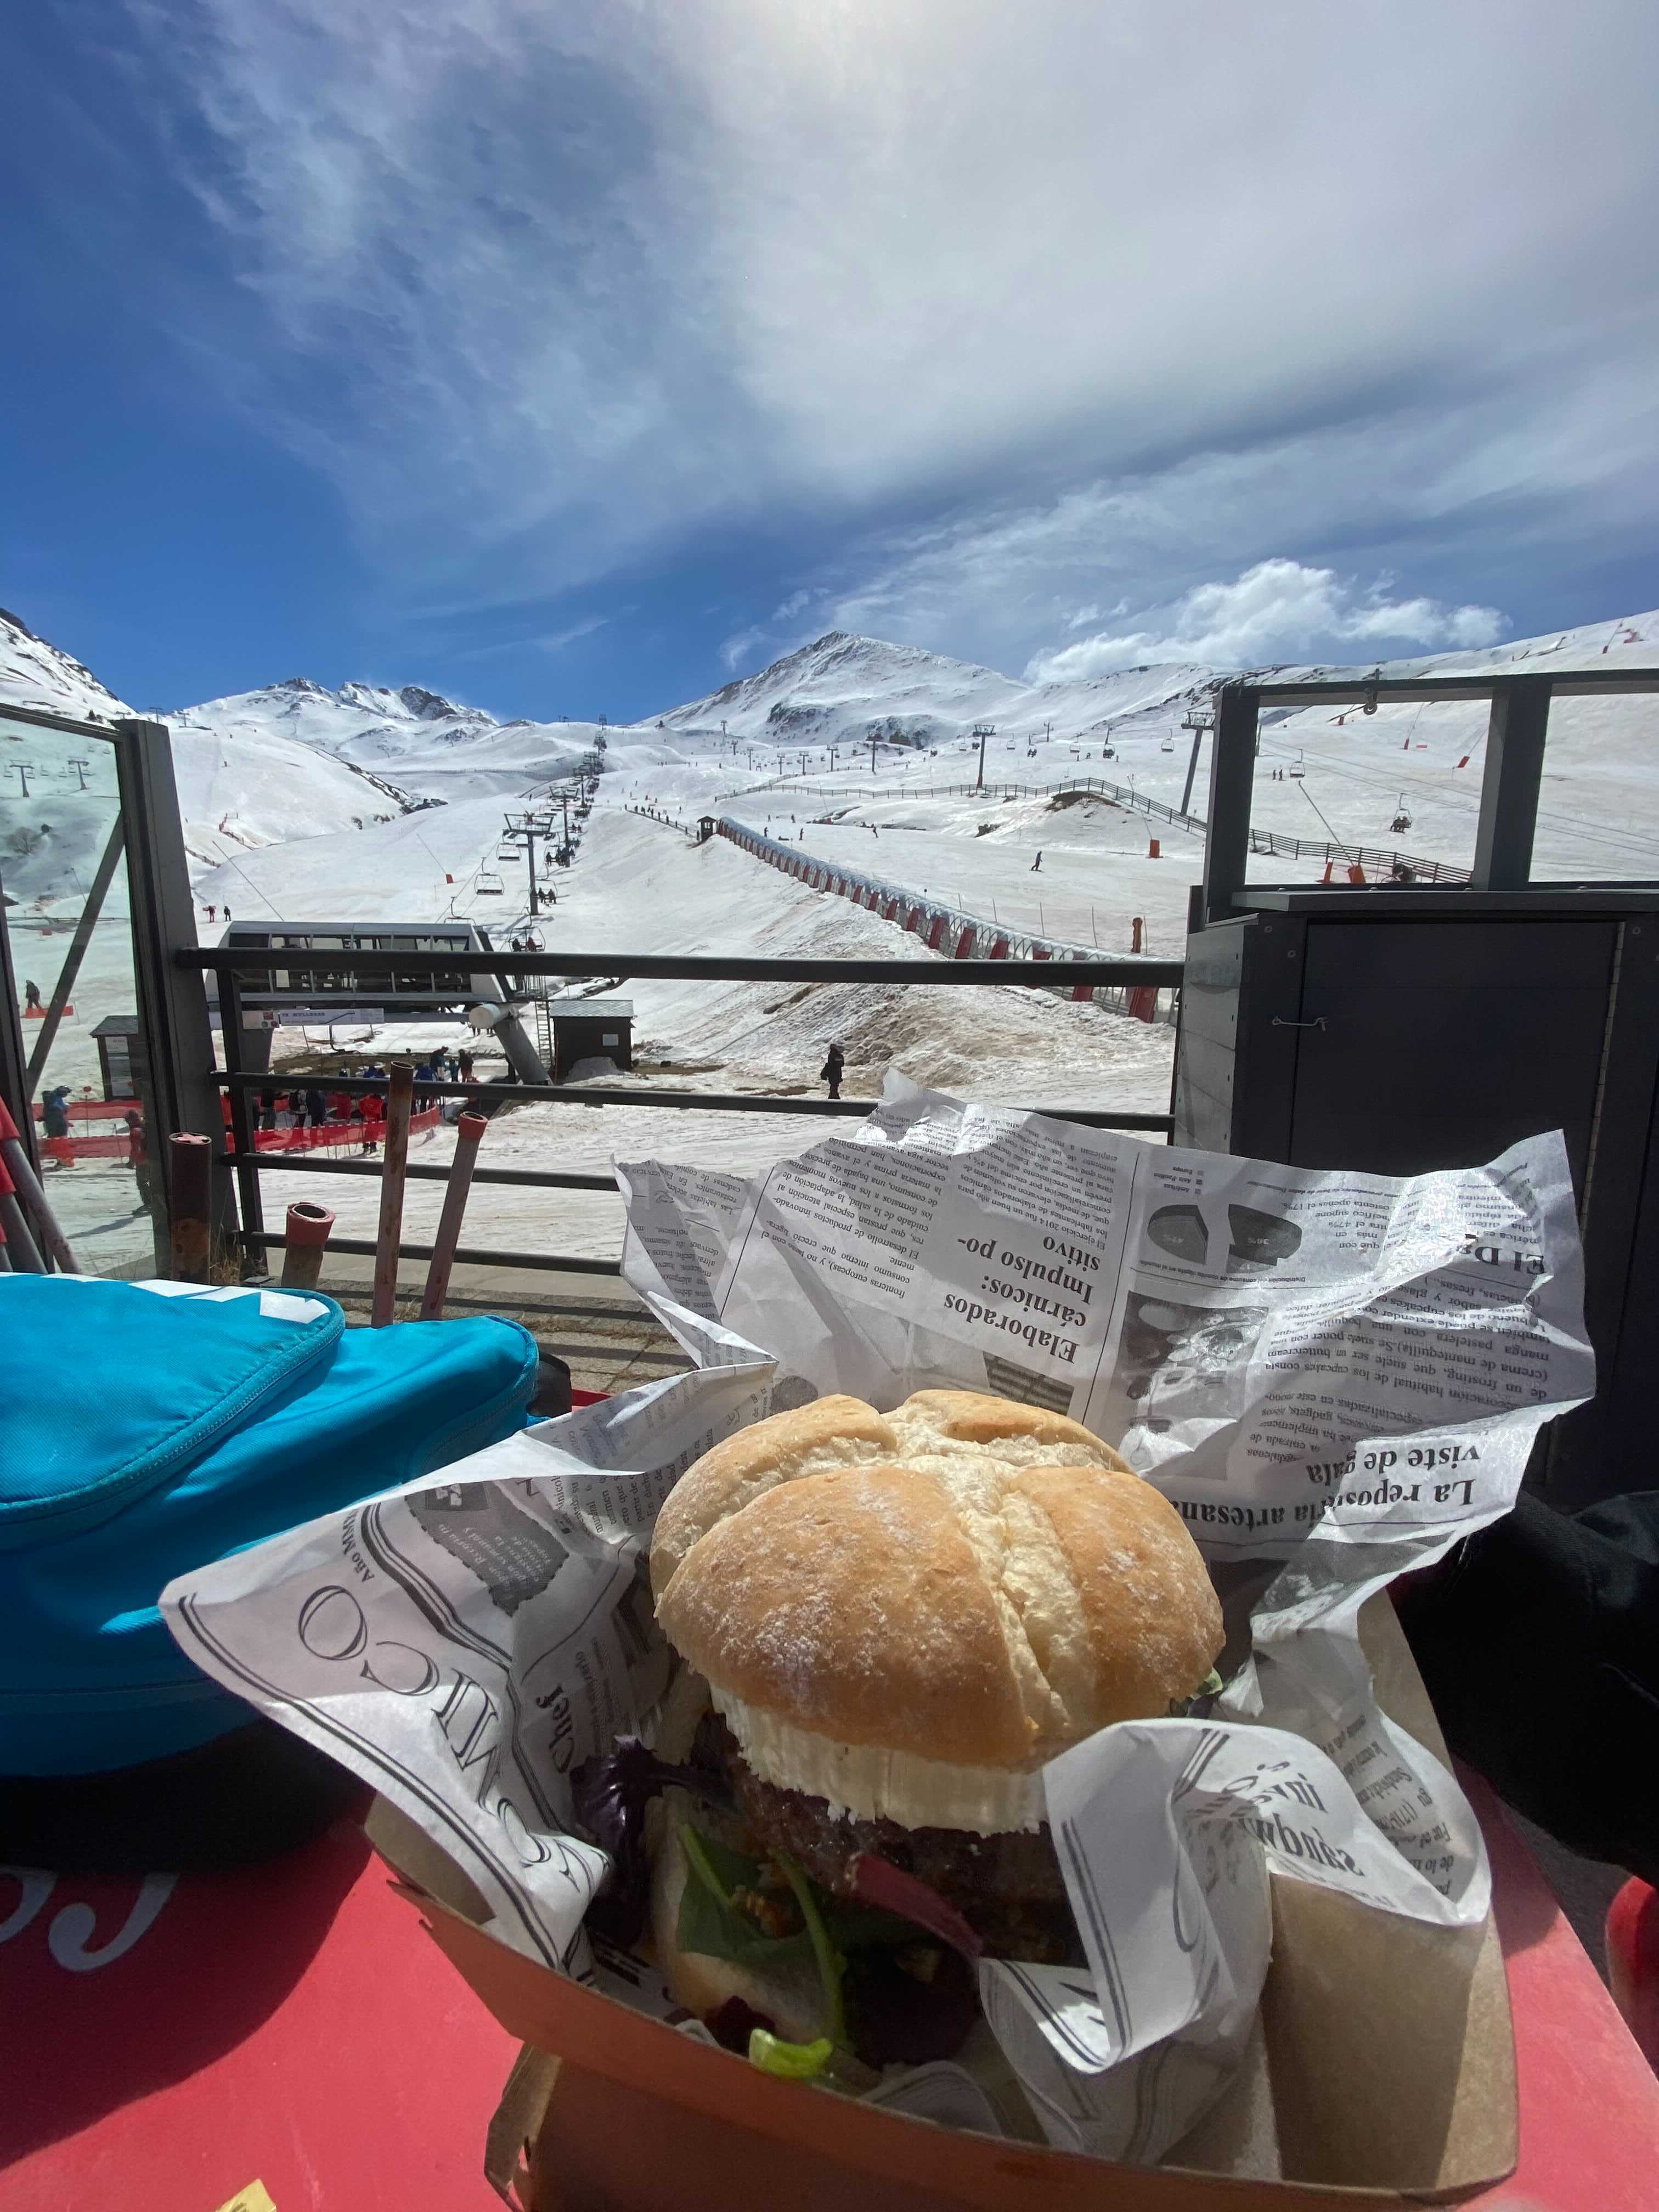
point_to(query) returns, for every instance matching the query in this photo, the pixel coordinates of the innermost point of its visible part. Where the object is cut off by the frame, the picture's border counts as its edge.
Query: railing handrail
(1098, 968)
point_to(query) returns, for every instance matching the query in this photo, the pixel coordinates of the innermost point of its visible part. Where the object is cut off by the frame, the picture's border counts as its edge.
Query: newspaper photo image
(1331, 1377)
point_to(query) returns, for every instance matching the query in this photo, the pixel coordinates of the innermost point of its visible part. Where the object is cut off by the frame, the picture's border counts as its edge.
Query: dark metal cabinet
(1400, 1032)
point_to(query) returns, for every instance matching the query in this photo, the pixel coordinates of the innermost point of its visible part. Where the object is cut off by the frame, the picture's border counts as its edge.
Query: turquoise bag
(145, 1429)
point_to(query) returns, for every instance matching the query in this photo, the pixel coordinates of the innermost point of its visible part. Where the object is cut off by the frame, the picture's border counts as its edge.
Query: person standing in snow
(830, 1071)
(1037, 865)
(32, 997)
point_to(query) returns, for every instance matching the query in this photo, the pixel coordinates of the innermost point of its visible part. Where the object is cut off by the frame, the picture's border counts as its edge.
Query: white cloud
(543, 290)
(1280, 610)
(548, 641)
(742, 646)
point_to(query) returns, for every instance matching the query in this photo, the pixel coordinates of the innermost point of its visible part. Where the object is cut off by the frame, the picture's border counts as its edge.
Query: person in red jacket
(374, 1117)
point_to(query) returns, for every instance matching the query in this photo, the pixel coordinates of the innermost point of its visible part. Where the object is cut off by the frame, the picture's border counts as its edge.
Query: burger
(899, 1619)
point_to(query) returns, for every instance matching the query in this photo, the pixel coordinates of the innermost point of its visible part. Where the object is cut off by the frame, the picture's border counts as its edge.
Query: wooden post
(469, 1130)
(392, 1175)
(190, 1180)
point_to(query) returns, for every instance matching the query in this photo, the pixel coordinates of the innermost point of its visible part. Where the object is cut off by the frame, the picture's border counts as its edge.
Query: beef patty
(1008, 1887)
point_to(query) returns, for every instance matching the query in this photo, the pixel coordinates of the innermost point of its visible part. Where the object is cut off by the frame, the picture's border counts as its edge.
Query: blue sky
(574, 359)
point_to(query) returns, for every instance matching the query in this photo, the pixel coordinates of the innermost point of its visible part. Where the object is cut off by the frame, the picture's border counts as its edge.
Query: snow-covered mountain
(296, 760)
(34, 673)
(419, 744)
(844, 690)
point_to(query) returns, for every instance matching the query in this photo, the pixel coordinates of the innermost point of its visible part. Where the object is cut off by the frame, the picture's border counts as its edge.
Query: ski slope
(638, 886)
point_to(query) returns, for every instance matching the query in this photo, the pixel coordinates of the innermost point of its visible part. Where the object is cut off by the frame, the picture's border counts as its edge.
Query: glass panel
(1342, 796)
(69, 937)
(1598, 808)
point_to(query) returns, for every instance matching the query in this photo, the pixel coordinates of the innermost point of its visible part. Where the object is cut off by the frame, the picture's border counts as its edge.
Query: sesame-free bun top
(965, 1581)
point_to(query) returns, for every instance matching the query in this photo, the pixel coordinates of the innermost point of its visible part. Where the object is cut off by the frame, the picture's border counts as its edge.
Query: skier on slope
(1037, 865)
(830, 1071)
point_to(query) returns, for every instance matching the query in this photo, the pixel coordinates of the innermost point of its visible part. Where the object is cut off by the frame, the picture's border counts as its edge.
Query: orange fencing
(116, 1145)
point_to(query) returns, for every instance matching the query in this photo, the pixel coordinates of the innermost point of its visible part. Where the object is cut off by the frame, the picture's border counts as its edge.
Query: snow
(364, 802)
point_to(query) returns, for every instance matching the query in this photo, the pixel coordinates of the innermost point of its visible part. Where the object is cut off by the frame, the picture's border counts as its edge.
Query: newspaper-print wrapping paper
(1339, 1375)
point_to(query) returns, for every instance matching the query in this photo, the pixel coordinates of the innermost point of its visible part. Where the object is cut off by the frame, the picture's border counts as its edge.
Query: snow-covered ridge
(844, 688)
(34, 673)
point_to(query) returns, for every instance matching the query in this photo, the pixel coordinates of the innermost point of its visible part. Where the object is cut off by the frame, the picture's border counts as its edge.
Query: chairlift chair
(1168, 745)
(489, 885)
(507, 851)
(1402, 820)
(1296, 768)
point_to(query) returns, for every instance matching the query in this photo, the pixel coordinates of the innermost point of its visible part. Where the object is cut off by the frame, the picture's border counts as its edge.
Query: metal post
(308, 1230)
(12, 1057)
(392, 1173)
(469, 1131)
(254, 1262)
(1509, 787)
(171, 1000)
(72, 959)
(1232, 779)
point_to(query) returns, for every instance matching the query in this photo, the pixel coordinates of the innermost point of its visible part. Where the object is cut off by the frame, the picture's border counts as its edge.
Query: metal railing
(247, 1164)
(1512, 779)
(1084, 787)
(1385, 861)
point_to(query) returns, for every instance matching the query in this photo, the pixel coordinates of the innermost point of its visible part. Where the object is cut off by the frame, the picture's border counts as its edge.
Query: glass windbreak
(1598, 803)
(87, 1083)
(1390, 797)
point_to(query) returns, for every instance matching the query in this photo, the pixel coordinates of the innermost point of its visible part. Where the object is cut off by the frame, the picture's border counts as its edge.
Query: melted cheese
(873, 1785)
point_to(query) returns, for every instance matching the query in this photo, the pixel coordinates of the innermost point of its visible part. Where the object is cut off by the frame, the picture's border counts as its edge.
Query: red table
(162, 2048)
(291, 2025)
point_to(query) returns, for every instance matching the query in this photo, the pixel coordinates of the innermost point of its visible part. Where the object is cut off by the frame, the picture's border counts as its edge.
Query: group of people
(316, 1108)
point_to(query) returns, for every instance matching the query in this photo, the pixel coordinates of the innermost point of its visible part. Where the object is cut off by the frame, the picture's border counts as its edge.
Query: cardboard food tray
(1384, 2074)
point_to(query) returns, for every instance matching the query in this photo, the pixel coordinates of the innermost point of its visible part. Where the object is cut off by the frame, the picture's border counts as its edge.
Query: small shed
(590, 1029)
(122, 1062)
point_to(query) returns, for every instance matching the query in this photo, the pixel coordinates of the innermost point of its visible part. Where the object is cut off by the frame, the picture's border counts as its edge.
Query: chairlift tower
(984, 731)
(1197, 719)
(521, 829)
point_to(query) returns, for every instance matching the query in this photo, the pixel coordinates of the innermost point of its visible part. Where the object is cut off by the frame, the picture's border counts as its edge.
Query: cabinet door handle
(1279, 1023)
